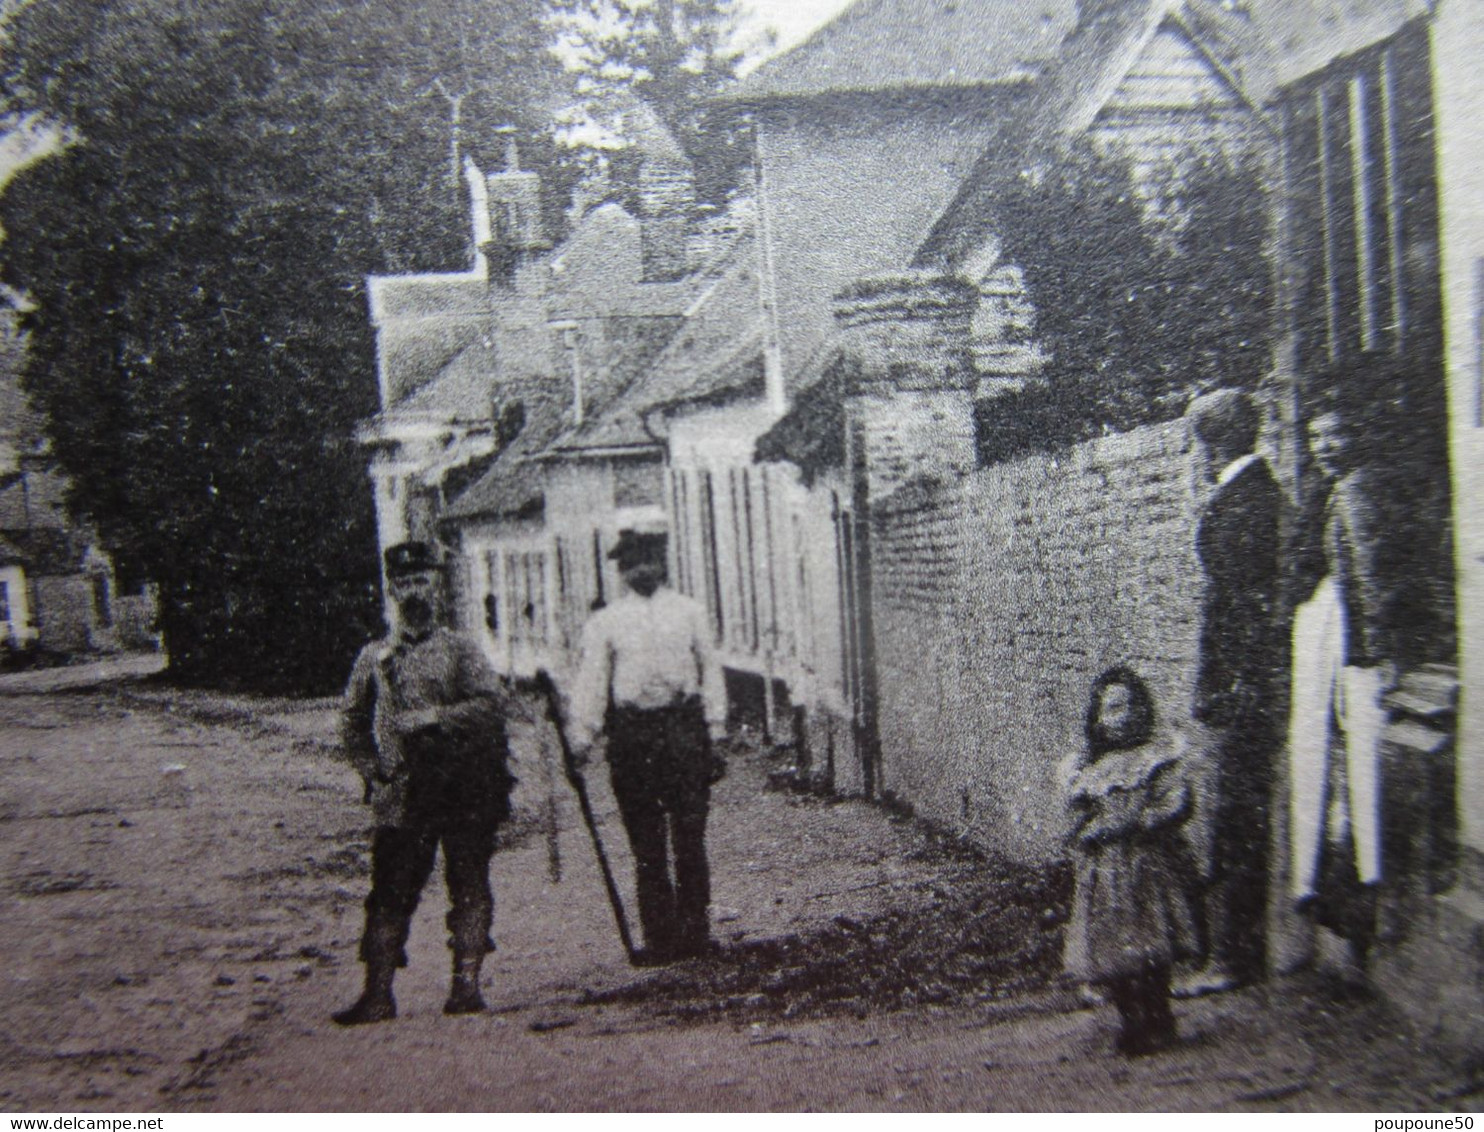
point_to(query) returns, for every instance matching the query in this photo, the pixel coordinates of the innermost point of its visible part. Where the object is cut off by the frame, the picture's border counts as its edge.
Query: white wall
(17, 627)
(1458, 46)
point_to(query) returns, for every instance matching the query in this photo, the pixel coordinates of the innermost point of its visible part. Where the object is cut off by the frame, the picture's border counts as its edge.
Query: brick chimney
(667, 201)
(517, 229)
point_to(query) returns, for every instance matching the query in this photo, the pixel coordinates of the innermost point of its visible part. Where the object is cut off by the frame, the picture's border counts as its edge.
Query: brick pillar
(910, 376)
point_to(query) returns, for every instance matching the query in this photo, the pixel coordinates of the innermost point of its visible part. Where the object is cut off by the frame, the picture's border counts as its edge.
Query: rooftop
(716, 354)
(905, 44)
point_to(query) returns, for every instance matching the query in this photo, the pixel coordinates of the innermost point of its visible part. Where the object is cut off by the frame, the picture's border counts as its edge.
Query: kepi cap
(411, 558)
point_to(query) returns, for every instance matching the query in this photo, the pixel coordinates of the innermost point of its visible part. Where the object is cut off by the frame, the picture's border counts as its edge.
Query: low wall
(1000, 597)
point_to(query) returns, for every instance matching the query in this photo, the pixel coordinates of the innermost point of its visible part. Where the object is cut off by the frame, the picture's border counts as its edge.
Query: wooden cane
(579, 786)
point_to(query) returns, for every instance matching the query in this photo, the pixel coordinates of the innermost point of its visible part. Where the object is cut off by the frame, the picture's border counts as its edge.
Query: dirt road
(180, 887)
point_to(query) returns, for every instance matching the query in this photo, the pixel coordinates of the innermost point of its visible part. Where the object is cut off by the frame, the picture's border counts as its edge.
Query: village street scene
(866, 967)
(620, 555)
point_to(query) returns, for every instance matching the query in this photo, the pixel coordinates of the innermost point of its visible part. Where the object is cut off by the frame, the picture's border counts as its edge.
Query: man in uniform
(648, 679)
(424, 726)
(1240, 663)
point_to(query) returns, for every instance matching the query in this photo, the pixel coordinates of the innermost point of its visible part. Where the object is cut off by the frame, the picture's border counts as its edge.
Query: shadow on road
(989, 931)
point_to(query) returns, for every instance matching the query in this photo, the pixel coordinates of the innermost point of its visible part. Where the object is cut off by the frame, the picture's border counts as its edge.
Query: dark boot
(376, 1003)
(463, 994)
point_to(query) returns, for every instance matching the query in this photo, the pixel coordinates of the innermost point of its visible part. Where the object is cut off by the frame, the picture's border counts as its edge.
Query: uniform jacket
(1240, 649)
(1132, 907)
(444, 671)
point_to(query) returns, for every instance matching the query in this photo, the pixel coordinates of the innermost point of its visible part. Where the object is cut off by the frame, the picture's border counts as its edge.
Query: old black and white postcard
(631, 555)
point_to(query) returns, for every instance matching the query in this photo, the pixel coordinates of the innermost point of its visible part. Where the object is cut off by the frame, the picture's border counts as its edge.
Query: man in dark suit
(1240, 665)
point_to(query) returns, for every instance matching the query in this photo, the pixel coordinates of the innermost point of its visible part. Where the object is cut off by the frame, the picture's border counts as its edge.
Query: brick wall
(915, 433)
(1000, 597)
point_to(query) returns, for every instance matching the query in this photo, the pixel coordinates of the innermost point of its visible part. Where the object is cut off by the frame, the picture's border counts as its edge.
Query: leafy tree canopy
(1145, 295)
(200, 345)
(671, 55)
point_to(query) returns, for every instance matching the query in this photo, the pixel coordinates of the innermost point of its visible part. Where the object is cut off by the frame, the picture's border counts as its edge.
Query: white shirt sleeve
(708, 670)
(589, 701)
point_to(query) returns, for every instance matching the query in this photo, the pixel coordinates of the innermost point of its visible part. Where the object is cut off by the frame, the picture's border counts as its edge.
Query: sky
(794, 19)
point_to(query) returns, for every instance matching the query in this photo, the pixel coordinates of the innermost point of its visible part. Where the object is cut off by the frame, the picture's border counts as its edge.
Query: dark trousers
(401, 862)
(660, 762)
(1236, 898)
(1143, 1002)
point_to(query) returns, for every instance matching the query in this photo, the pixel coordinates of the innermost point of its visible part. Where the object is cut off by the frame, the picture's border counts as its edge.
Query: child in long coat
(1132, 918)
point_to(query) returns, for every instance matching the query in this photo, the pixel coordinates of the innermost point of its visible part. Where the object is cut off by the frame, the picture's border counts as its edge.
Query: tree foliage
(1141, 305)
(671, 55)
(200, 346)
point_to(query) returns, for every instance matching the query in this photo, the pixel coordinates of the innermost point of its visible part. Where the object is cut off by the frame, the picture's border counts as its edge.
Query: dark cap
(411, 558)
(1225, 416)
(638, 548)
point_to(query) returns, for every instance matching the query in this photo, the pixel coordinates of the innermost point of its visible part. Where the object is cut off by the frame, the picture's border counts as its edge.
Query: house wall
(65, 614)
(1000, 597)
(509, 561)
(1458, 44)
(725, 537)
(850, 190)
(585, 511)
(547, 574)
(763, 553)
(17, 626)
(1435, 972)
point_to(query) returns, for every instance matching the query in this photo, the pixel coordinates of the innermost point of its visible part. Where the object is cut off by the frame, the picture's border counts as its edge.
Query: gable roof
(876, 45)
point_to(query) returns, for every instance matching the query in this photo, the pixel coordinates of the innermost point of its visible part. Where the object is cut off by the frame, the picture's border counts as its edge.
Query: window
(638, 484)
(525, 590)
(1359, 152)
(492, 593)
(4, 601)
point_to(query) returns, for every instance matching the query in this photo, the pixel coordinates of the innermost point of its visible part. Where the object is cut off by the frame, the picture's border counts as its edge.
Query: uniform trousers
(660, 763)
(459, 808)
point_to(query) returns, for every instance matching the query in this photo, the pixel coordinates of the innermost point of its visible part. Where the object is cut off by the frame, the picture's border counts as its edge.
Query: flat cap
(638, 548)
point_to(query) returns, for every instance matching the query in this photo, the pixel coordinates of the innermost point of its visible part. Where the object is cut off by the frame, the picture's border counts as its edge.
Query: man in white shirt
(648, 679)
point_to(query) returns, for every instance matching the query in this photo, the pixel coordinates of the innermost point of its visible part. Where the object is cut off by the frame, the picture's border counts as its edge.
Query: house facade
(59, 597)
(508, 427)
(922, 516)
(995, 585)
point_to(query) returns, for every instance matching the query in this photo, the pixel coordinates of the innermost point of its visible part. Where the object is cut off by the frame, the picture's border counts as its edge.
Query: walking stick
(579, 786)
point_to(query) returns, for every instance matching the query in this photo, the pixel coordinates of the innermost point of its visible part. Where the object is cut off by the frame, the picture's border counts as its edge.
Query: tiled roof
(903, 44)
(462, 389)
(717, 353)
(512, 485)
(508, 489)
(811, 434)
